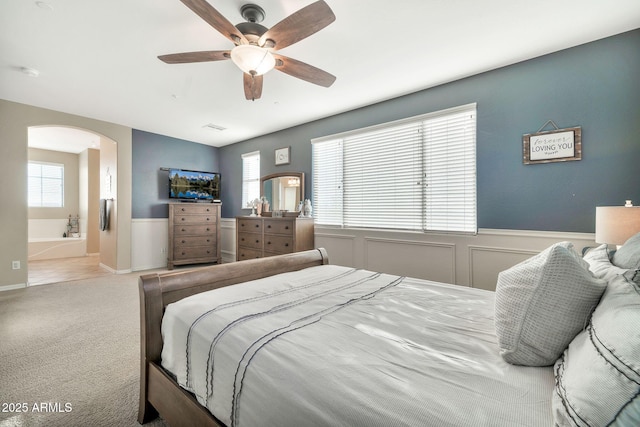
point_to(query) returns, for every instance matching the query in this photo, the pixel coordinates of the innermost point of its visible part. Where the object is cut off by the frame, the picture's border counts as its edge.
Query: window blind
(450, 172)
(250, 178)
(45, 185)
(413, 174)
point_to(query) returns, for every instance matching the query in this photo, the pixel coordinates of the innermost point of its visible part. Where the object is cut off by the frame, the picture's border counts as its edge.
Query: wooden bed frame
(159, 392)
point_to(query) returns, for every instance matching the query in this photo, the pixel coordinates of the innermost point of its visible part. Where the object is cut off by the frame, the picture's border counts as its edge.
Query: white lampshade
(615, 224)
(252, 59)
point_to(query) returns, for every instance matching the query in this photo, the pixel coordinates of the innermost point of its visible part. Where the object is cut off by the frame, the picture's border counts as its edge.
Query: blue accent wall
(150, 184)
(594, 86)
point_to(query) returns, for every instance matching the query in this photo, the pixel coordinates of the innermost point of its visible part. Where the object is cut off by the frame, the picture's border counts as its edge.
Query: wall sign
(560, 145)
(282, 156)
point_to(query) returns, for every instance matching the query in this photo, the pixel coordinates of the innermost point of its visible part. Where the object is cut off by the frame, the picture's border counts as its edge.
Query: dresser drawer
(279, 244)
(254, 226)
(278, 226)
(195, 219)
(193, 252)
(185, 241)
(197, 209)
(244, 253)
(250, 240)
(194, 230)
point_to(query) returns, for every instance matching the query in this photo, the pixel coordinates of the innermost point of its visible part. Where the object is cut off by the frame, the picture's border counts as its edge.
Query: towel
(104, 215)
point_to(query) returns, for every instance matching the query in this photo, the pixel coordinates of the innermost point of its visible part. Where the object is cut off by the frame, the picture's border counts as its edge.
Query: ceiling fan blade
(214, 18)
(187, 57)
(304, 71)
(299, 25)
(252, 86)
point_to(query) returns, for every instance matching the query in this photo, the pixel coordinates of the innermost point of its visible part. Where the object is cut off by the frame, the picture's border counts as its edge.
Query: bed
(297, 341)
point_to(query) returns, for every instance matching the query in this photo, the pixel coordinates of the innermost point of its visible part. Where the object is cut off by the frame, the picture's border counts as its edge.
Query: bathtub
(56, 247)
(46, 241)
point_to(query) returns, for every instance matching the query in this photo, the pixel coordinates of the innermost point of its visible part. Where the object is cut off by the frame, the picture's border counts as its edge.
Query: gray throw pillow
(598, 376)
(542, 304)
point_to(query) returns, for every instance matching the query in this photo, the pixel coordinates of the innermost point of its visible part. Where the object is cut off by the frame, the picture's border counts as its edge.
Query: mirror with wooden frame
(284, 190)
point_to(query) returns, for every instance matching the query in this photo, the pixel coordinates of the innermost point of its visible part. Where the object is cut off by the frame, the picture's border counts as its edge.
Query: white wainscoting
(228, 239)
(467, 260)
(149, 243)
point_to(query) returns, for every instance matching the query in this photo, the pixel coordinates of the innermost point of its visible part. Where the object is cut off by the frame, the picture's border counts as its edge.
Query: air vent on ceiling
(214, 127)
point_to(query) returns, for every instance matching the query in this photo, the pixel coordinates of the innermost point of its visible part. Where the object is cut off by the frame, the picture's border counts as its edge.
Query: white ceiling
(98, 59)
(62, 138)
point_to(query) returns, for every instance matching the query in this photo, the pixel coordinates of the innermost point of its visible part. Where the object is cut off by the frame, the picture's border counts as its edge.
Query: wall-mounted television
(194, 185)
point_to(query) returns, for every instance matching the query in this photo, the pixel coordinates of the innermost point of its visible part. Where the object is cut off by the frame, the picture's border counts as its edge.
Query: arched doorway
(65, 242)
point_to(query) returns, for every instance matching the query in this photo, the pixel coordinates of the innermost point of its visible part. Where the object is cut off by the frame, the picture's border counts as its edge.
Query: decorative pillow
(628, 256)
(600, 265)
(542, 303)
(598, 376)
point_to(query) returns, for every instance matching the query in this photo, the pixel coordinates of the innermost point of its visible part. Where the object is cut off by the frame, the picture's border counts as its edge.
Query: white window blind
(45, 185)
(413, 174)
(450, 172)
(327, 192)
(250, 178)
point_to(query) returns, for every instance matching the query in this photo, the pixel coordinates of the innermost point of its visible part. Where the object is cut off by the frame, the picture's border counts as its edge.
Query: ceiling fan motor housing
(252, 13)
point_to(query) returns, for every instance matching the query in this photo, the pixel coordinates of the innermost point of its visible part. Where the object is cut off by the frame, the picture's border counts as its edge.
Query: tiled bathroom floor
(65, 269)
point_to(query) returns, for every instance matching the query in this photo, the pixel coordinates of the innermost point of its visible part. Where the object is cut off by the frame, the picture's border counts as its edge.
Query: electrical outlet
(163, 250)
(15, 265)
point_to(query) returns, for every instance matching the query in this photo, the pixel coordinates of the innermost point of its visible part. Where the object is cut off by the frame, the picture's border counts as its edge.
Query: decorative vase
(307, 209)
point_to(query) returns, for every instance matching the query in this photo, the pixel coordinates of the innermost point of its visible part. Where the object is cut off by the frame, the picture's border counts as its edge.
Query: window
(412, 174)
(250, 178)
(46, 185)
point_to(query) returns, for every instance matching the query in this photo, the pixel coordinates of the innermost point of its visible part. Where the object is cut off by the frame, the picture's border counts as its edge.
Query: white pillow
(598, 376)
(542, 304)
(628, 256)
(600, 265)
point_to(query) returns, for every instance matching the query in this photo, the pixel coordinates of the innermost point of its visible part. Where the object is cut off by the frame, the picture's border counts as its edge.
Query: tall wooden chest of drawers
(258, 237)
(194, 234)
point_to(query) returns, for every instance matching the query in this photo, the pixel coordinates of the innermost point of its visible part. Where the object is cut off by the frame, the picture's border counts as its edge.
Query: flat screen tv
(194, 185)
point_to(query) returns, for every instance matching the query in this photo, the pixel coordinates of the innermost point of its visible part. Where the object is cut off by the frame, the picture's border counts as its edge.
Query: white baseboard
(13, 287)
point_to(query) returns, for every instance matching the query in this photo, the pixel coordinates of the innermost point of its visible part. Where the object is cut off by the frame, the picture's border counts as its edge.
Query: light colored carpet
(74, 347)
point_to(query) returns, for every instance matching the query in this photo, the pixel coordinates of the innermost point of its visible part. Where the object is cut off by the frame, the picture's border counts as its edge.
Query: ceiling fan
(255, 44)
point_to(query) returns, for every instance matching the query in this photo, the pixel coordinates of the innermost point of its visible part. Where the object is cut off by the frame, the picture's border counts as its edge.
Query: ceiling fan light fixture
(253, 59)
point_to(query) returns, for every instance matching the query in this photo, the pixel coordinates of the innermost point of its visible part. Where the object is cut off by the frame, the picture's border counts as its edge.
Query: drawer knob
(208, 229)
(257, 241)
(208, 218)
(208, 240)
(269, 226)
(241, 224)
(268, 243)
(257, 225)
(183, 253)
(208, 210)
(286, 245)
(182, 209)
(286, 227)
(184, 241)
(184, 229)
(182, 219)
(242, 239)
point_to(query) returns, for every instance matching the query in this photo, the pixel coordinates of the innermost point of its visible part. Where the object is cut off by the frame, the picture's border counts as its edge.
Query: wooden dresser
(258, 237)
(194, 233)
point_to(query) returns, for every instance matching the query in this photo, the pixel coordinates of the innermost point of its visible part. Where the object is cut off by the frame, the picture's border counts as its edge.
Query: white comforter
(335, 346)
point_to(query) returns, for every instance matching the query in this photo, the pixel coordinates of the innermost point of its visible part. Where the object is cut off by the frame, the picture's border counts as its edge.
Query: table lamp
(615, 224)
